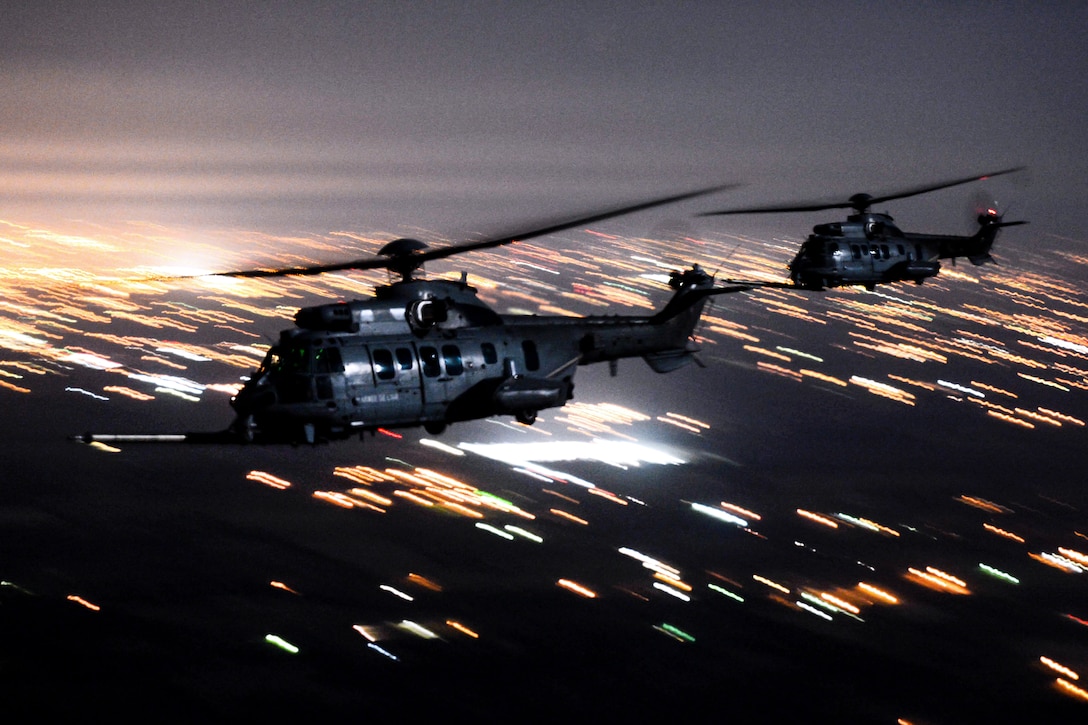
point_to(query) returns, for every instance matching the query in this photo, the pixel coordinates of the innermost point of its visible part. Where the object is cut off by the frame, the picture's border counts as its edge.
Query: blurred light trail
(722, 590)
(1059, 668)
(277, 641)
(417, 629)
(719, 514)
(997, 573)
(397, 592)
(462, 629)
(492, 530)
(1069, 688)
(382, 651)
(674, 632)
(577, 588)
(83, 602)
(268, 479)
(281, 585)
(878, 593)
(817, 518)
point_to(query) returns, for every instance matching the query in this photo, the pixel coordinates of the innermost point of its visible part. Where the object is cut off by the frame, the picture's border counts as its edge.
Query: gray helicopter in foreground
(429, 353)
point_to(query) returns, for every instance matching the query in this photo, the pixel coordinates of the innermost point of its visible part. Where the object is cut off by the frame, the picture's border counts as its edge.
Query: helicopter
(869, 249)
(430, 352)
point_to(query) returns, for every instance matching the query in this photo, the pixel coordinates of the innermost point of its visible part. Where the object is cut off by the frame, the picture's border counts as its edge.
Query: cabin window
(855, 251)
(902, 251)
(428, 359)
(884, 250)
(383, 364)
(490, 356)
(532, 358)
(452, 355)
(404, 358)
(324, 387)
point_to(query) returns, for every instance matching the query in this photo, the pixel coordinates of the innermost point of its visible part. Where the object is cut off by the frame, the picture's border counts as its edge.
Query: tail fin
(977, 247)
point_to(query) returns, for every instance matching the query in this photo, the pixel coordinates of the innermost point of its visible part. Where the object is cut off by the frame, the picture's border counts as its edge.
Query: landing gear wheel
(525, 417)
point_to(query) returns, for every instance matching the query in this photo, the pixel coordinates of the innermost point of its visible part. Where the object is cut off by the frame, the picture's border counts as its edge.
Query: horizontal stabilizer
(668, 360)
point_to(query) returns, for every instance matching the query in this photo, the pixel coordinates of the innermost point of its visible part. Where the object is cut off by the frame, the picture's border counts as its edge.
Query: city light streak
(719, 514)
(1059, 562)
(936, 579)
(1059, 668)
(1068, 688)
(1002, 532)
(462, 629)
(672, 591)
(998, 573)
(577, 588)
(674, 632)
(84, 603)
(568, 516)
(772, 584)
(281, 643)
(397, 592)
(497, 532)
(878, 593)
(268, 479)
(818, 518)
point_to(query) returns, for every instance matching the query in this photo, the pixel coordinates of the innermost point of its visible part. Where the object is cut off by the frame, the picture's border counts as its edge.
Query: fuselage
(431, 353)
(869, 249)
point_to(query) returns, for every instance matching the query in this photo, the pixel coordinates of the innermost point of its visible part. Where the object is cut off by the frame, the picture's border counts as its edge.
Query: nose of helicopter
(249, 403)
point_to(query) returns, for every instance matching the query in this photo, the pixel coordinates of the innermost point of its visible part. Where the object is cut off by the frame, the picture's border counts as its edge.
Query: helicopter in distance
(427, 352)
(869, 249)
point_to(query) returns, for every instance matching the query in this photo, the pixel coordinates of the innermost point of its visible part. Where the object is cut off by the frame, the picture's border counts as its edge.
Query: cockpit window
(327, 360)
(295, 360)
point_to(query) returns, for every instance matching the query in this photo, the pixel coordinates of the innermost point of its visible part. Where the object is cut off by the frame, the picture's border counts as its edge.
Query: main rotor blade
(554, 227)
(858, 200)
(419, 258)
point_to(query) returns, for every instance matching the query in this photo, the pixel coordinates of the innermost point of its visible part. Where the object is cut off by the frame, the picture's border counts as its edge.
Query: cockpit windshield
(301, 359)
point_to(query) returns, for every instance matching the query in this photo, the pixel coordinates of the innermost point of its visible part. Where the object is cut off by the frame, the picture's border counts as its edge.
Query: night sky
(193, 137)
(377, 116)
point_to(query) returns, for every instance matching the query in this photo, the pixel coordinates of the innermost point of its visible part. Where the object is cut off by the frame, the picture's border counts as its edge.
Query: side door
(397, 391)
(443, 376)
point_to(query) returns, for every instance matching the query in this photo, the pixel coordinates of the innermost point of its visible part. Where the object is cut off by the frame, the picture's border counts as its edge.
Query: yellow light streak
(577, 588)
(462, 629)
(281, 585)
(818, 518)
(424, 582)
(268, 479)
(746, 513)
(1059, 668)
(81, 601)
(1002, 532)
(983, 504)
(1069, 688)
(878, 593)
(771, 584)
(568, 516)
(936, 579)
(335, 498)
